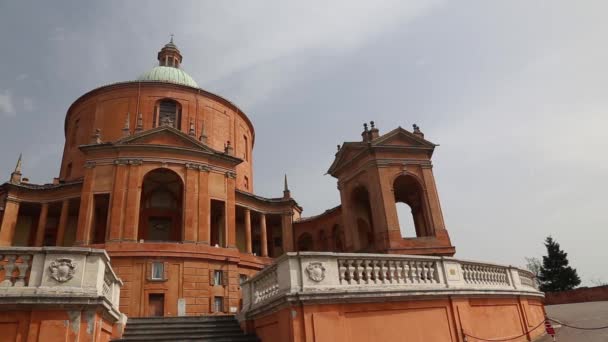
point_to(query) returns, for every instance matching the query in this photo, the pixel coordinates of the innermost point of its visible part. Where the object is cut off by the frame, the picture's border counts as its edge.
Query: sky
(512, 91)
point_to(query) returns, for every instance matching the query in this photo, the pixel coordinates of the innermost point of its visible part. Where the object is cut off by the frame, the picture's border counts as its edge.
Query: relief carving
(315, 271)
(62, 269)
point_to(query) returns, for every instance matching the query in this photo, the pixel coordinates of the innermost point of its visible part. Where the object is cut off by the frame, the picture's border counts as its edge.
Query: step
(209, 338)
(192, 331)
(163, 325)
(183, 319)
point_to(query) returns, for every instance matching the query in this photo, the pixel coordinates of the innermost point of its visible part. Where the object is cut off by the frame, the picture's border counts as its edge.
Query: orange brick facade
(159, 174)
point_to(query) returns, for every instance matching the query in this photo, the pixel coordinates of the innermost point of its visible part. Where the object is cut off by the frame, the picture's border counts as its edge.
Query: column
(63, 221)
(118, 201)
(264, 238)
(44, 211)
(191, 204)
(231, 210)
(85, 214)
(9, 220)
(248, 230)
(133, 200)
(287, 231)
(204, 213)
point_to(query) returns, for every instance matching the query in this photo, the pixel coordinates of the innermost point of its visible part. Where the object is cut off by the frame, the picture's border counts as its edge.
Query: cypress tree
(555, 274)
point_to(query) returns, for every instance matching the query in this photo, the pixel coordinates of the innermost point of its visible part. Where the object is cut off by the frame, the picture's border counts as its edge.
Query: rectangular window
(242, 278)
(218, 304)
(217, 277)
(158, 271)
(246, 182)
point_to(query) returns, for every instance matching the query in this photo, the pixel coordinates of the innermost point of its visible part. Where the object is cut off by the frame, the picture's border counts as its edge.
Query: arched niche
(305, 243)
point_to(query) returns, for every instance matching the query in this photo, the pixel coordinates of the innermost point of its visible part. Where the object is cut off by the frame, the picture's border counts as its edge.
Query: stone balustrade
(55, 276)
(320, 276)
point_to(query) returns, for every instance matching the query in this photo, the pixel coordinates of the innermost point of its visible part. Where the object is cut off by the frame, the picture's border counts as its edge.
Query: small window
(242, 278)
(246, 182)
(158, 271)
(217, 277)
(218, 304)
(246, 145)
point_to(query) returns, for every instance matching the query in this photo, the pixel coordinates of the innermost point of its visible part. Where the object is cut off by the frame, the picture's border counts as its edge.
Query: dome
(168, 74)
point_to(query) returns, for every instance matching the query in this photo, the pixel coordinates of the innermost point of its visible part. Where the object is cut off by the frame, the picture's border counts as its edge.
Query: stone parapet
(53, 277)
(318, 277)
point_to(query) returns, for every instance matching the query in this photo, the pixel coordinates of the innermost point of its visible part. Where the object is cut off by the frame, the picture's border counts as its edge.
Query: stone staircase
(195, 328)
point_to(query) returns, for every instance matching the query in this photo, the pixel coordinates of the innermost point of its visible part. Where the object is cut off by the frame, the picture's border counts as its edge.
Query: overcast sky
(513, 91)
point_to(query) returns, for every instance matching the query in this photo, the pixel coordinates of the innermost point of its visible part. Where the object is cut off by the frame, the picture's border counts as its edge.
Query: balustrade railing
(310, 274)
(483, 274)
(265, 286)
(367, 271)
(15, 269)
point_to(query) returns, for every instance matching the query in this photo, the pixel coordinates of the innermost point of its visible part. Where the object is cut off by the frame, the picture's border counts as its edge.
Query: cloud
(22, 77)
(28, 104)
(6, 104)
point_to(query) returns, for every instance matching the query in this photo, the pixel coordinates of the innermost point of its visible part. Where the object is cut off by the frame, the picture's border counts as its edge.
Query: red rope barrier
(502, 339)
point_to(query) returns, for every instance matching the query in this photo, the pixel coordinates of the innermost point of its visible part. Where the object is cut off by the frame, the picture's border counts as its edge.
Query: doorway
(156, 305)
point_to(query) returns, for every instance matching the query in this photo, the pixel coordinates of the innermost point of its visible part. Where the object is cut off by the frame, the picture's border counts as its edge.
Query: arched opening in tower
(161, 206)
(365, 224)
(411, 208)
(305, 243)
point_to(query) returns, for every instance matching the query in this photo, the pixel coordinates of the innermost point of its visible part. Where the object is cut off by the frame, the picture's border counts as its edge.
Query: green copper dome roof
(168, 74)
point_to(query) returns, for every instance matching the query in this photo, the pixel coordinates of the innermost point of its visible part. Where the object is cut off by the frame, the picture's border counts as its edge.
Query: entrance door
(156, 304)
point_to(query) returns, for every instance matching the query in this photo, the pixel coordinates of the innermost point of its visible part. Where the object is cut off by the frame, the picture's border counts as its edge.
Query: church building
(159, 173)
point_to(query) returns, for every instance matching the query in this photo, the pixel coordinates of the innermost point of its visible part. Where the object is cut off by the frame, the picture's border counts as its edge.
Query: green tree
(555, 274)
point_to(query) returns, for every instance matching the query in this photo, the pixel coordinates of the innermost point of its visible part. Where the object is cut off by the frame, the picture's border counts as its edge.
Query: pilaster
(133, 201)
(85, 215)
(287, 232)
(191, 204)
(248, 230)
(9, 220)
(44, 211)
(231, 209)
(117, 200)
(204, 203)
(264, 236)
(63, 221)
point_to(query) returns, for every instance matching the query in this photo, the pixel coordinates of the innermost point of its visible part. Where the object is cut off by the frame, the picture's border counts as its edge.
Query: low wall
(316, 297)
(584, 294)
(52, 294)
(436, 320)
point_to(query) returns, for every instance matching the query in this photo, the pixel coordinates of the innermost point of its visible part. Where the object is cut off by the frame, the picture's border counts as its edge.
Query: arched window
(305, 242)
(322, 241)
(337, 236)
(169, 114)
(411, 209)
(161, 206)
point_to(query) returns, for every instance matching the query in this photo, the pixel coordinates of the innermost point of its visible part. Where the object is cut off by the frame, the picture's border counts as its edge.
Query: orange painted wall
(188, 270)
(436, 320)
(54, 326)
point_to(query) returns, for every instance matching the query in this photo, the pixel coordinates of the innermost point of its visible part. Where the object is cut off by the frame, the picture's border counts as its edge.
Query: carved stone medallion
(315, 271)
(62, 269)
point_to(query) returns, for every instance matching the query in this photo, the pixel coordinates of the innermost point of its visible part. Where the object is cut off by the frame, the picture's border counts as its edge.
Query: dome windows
(168, 113)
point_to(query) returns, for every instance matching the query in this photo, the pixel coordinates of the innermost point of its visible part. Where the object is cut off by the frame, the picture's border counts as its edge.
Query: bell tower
(377, 173)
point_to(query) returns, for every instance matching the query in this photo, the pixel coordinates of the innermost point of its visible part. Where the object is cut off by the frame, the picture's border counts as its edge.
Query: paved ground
(591, 314)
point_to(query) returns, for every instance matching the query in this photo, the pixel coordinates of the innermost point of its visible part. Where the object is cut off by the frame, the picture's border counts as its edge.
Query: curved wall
(106, 109)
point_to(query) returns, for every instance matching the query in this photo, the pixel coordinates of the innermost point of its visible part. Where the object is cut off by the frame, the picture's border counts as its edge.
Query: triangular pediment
(166, 136)
(401, 137)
